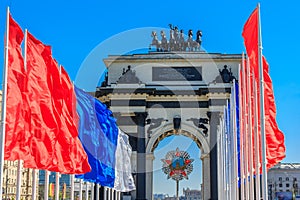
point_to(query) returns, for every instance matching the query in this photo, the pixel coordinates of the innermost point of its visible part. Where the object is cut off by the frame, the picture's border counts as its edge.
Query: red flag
(16, 104)
(250, 35)
(274, 137)
(53, 146)
(275, 149)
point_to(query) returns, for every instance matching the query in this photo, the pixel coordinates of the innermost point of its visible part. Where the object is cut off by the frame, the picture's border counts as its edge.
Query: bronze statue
(198, 39)
(176, 41)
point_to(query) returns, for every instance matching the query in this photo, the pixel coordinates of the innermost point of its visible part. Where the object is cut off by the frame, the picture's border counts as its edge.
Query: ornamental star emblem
(177, 164)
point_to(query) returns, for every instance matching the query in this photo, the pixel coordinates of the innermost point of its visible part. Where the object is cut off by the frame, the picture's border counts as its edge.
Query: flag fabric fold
(17, 116)
(124, 181)
(54, 146)
(275, 148)
(108, 148)
(50, 127)
(98, 134)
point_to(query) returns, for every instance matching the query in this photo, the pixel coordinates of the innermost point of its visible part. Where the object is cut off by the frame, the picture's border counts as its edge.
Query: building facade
(192, 194)
(158, 94)
(284, 179)
(9, 181)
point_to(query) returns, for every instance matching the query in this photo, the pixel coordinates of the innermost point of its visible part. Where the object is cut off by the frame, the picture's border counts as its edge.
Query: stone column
(213, 122)
(205, 176)
(141, 156)
(149, 175)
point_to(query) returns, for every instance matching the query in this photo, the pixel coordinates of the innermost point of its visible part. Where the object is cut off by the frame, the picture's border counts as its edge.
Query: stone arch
(186, 130)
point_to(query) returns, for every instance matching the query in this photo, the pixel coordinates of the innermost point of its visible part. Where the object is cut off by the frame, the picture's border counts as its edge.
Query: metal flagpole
(34, 178)
(86, 190)
(262, 111)
(46, 192)
(3, 113)
(104, 193)
(80, 189)
(235, 154)
(92, 191)
(242, 175)
(112, 194)
(72, 187)
(57, 186)
(119, 196)
(256, 139)
(245, 131)
(177, 189)
(109, 194)
(20, 162)
(97, 191)
(251, 194)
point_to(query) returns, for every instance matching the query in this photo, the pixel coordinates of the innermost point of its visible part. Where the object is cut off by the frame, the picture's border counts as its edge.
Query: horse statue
(172, 42)
(181, 42)
(155, 41)
(164, 41)
(191, 44)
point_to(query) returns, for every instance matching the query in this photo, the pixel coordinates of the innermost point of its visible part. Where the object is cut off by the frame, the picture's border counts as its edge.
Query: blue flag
(98, 133)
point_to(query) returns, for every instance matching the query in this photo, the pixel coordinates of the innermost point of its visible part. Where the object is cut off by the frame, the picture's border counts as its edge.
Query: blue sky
(78, 30)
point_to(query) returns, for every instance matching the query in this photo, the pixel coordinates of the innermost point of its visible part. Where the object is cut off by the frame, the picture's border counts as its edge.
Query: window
(280, 178)
(280, 184)
(287, 185)
(287, 179)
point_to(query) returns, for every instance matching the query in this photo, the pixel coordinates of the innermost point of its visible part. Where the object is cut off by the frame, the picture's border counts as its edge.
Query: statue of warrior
(192, 45)
(198, 39)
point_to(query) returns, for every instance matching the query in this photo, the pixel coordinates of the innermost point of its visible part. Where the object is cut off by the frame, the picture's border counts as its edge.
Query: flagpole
(262, 110)
(250, 130)
(34, 178)
(256, 139)
(92, 191)
(20, 162)
(245, 130)
(46, 192)
(241, 136)
(3, 113)
(80, 189)
(235, 139)
(57, 175)
(72, 187)
(97, 191)
(86, 190)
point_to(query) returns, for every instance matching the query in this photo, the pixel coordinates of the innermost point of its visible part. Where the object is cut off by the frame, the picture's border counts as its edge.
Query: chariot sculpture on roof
(176, 40)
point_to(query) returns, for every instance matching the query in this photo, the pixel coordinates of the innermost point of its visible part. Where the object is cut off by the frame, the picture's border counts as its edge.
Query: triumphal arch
(174, 89)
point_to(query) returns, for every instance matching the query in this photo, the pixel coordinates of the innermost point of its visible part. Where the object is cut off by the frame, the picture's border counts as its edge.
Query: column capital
(140, 118)
(204, 156)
